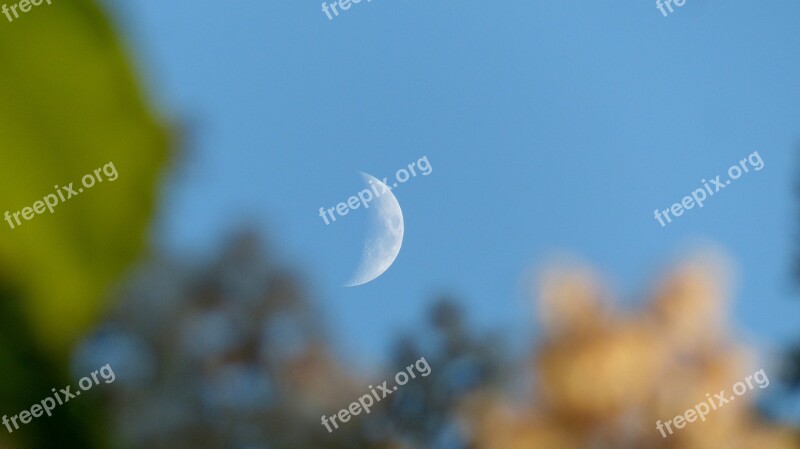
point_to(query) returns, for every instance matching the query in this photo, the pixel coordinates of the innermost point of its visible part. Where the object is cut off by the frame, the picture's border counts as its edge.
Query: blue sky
(550, 126)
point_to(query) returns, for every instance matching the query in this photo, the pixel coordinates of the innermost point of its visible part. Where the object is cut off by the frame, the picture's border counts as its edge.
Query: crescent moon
(385, 236)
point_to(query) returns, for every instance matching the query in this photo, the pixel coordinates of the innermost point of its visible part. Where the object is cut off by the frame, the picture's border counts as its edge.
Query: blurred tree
(69, 104)
(26, 378)
(425, 412)
(604, 379)
(232, 354)
(792, 367)
(225, 354)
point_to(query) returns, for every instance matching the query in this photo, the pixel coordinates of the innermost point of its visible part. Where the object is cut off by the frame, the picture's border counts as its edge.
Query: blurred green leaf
(68, 105)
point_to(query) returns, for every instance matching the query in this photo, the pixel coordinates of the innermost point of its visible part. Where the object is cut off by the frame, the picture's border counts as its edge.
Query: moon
(385, 233)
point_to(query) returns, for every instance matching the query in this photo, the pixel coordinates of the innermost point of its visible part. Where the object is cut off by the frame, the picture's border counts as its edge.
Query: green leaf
(69, 104)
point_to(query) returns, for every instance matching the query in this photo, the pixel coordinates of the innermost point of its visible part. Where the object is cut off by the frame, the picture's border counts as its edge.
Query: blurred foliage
(231, 353)
(27, 376)
(223, 355)
(604, 378)
(792, 367)
(70, 104)
(426, 412)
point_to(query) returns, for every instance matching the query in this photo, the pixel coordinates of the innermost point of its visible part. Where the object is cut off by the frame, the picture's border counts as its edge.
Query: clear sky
(550, 127)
